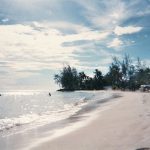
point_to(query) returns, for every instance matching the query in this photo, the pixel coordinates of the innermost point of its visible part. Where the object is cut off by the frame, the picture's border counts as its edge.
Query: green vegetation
(121, 75)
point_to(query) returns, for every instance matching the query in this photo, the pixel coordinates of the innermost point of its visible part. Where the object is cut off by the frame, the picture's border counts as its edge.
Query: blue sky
(39, 37)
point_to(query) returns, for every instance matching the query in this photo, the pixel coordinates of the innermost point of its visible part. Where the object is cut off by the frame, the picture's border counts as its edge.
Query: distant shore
(72, 90)
(125, 126)
(66, 90)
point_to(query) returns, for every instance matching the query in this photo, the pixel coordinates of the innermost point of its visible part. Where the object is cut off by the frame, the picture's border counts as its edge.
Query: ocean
(24, 112)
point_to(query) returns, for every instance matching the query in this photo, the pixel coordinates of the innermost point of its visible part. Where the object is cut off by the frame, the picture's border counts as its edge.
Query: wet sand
(125, 126)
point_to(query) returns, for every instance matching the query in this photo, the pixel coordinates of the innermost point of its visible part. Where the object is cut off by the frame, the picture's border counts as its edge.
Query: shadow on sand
(145, 148)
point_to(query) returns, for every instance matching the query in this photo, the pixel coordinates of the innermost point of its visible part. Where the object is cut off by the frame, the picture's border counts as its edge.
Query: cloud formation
(41, 43)
(126, 30)
(46, 34)
(115, 43)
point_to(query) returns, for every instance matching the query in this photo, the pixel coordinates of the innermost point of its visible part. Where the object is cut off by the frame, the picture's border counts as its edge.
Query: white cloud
(27, 49)
(41, 45)
(115, 43)
(105, 14)
(5, 20)
(126, 30)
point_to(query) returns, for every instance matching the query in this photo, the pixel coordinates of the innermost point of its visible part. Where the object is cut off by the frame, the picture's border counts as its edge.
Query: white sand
(126, 126)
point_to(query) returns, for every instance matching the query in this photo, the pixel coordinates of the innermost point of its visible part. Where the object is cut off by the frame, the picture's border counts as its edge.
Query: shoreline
(124, 126)
(79, 120)
(31, 135)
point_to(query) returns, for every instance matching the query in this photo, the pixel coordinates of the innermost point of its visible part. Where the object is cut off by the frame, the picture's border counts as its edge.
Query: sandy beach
(125, 126)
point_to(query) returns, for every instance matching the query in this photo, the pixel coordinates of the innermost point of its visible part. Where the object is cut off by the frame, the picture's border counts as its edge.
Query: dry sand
(125, 126)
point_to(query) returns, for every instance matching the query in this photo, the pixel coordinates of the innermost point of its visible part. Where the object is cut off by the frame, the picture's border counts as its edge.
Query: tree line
(122, 74)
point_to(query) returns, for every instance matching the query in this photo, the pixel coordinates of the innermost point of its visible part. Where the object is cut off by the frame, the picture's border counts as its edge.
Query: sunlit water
(24, 107)
(33, 116)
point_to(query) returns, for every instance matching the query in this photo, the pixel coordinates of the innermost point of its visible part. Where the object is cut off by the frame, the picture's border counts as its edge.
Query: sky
(39, 37)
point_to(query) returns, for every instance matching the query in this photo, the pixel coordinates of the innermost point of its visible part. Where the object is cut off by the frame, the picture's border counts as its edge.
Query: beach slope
(125, 126)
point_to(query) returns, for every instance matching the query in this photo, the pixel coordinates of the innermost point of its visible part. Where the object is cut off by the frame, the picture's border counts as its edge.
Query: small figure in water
(49, 94)
(0, 94)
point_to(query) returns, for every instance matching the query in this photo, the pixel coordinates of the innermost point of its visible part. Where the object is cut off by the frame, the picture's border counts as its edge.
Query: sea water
(23, 107)
(27, 111)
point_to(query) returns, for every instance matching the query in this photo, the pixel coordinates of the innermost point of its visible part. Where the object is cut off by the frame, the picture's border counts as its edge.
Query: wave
(80, 105)
(9, 123)
(43, 118)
